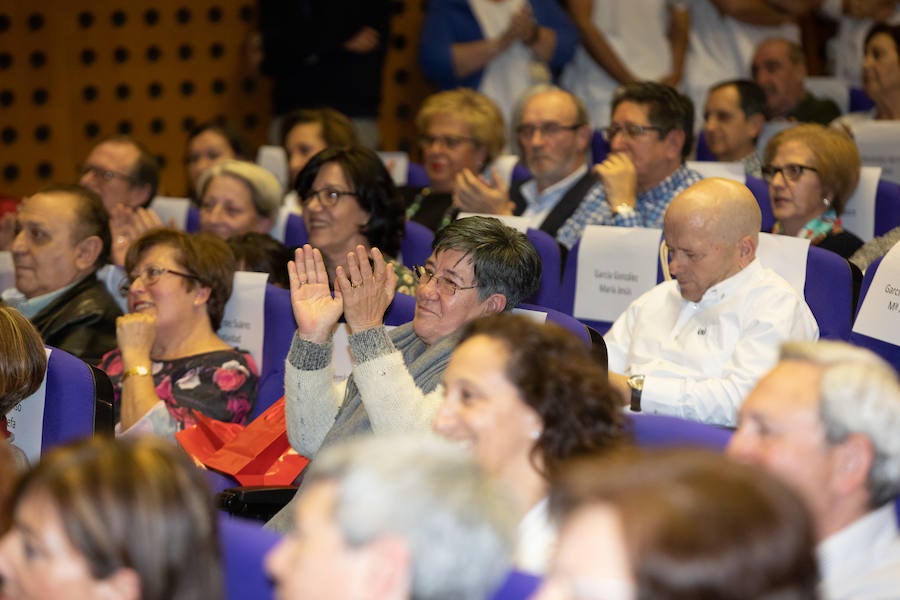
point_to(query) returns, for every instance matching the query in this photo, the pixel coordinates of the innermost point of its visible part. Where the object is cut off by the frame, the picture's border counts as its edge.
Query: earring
(826, 201)
(535, 434)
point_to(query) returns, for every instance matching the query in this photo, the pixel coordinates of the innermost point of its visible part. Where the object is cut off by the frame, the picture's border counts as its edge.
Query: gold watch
(636, 383)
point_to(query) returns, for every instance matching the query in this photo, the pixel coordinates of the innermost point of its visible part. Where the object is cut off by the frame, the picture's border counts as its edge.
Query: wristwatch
(626, 210)
(636, 383)
(138, 371)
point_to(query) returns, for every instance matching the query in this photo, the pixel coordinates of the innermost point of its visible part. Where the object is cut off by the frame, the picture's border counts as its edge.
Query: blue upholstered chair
(244, 546)
(659, 431)
(548, 294)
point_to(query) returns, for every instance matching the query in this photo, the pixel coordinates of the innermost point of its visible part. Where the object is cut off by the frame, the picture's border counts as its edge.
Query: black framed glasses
(450, 142)
(629, 130)
(327, 196)
(150, 276)
(526, 131)
(445, 286)
(104, 174)
(791, 171)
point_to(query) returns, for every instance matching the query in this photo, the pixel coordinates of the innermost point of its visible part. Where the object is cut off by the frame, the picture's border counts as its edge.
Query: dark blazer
(82, 321)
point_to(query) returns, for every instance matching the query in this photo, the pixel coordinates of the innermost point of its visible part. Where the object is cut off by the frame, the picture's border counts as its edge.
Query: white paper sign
(859, 213)
(878, 147)
(274, 160)
(26, 421)
(879, 315)
(243, 325)
(710, 168)
(786, 255)
(538, 316)
(615, 266)
(171, 211)
(397, 164)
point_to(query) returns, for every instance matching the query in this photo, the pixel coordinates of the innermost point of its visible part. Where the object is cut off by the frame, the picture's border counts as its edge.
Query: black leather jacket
(82, 321)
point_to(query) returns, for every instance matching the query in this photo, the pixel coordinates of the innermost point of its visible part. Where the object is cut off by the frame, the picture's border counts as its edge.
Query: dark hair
(666, 108)
(556, 375)
(697, 525)
(145, 170)
(751, 97)
(91, 217)
(503, 260)
(24, 358)
(236, 141)
(892, 31)
(261, 253)
(134, 503)
(203, 255)
(374, 190)
(337, 129)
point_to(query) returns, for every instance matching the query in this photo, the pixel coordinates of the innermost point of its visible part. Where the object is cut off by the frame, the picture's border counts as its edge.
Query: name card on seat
(786, 255)
(615, 266)
(173, 212)
(26, 421)
(728, 170)
(879, 315)
(877, 143)
(859, 213)
(243, 325)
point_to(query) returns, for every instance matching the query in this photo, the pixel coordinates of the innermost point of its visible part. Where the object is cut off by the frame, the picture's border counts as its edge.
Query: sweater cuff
(369, 344)
(308, 356)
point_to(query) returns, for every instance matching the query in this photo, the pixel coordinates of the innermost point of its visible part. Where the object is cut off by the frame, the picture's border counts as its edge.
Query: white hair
(860, 393)
(265, 190)
(459, 526)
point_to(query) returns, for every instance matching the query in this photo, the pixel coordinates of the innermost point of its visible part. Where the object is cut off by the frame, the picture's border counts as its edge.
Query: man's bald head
(712, 231)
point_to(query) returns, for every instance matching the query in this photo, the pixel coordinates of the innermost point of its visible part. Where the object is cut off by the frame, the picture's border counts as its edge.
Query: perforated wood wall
(74, 71)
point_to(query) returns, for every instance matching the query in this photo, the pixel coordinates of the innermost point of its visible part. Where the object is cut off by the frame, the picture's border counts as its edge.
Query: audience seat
(548, 294)
(517, 586)
(859, 100)
(562, 319)
(830, 292)
(244, 546)
(760, 191)
(659, 431)
(414, 249)
(279, 328)
(885, 350)
(599, 147)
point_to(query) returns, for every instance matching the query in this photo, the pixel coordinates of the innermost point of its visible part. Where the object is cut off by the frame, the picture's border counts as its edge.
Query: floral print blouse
(220, 384)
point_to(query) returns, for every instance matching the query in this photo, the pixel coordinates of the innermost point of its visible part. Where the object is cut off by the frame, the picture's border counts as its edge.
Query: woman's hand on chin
(367, 293)
(315, 310)
(135, 334)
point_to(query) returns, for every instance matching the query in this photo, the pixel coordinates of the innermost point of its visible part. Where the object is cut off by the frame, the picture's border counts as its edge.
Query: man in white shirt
(693, 347)
(825, 419)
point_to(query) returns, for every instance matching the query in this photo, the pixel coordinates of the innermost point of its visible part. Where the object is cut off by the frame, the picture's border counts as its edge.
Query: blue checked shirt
(648, 210)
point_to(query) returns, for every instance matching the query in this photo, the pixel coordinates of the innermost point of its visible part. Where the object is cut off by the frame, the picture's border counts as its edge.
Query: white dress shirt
(701, 358)
(862, 561)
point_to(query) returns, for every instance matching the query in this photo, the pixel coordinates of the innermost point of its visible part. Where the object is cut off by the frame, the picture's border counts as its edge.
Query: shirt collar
(872, 530)
(721, 290)
(530, 193)
(30, 307)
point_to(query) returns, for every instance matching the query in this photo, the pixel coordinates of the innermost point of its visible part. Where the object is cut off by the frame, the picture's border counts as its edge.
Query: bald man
(694, 346)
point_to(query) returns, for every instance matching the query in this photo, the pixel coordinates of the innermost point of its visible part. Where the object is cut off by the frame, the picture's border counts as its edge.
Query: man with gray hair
(826, 420)
(395, 517)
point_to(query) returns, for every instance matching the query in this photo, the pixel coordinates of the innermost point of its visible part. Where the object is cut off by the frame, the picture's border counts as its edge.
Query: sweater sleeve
(393, 400)
(444, 21)
(312, 399)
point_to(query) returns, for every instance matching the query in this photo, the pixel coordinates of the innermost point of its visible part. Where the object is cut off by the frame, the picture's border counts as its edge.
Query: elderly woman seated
(460, 133)
(237, 197)
(812, 171)
(478, 267)
(170, 362)
(524, 397)
(678, 524)
(350, 200)
(119, 520)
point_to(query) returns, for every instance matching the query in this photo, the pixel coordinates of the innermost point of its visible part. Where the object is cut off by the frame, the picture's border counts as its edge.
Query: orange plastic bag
(256, 454)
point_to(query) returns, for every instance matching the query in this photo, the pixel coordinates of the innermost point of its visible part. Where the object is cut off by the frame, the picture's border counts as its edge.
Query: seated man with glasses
(478, 267)
(554, 135)
(692, 347)
(62, 238)
(650, 135)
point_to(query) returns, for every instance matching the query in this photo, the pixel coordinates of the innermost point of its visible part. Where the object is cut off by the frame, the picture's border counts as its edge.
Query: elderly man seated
(693, 347)
(393, 518)
(62, 238)
(825, 419)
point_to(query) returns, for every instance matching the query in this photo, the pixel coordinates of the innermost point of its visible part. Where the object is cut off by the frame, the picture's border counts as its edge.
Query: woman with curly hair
(524, 397)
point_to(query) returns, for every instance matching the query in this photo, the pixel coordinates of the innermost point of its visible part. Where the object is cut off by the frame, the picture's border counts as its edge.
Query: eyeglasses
(526, 132)
(444, 285)
(150, 276)
(790, 172)
(104, 174)
(630, 130)
(327, 197)
(450, 142)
